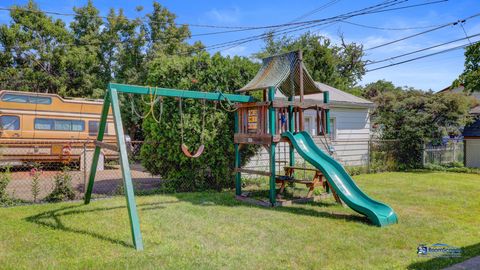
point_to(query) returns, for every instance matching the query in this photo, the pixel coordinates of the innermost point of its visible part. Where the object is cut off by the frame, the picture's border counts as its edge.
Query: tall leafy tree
(33, 51)
(83, 59)
(470, 77)
(414, 118)
(165, 36)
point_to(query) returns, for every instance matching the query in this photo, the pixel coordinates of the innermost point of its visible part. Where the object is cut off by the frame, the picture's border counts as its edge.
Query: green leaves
(161, 152)
(470, 77)
(414, 117)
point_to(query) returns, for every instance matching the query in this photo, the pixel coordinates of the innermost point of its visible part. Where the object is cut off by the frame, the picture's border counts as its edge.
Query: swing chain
(230, 104)
(153, 100)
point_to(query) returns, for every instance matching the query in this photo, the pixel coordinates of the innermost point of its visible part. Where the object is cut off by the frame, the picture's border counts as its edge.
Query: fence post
(454, 156)
(423, 154)
(84, 166)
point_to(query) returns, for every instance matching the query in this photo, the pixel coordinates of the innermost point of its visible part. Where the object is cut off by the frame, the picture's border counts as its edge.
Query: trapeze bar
(166, 92)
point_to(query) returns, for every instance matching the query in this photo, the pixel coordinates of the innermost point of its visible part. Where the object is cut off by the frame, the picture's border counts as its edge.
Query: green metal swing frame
(111, 101)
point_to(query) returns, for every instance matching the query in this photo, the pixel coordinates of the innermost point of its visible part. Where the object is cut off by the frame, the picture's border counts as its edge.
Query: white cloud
(231, 15)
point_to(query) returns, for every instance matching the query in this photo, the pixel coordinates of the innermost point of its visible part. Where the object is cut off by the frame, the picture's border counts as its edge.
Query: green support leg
(127, 177)
(96, 154)
(326, 100)
(271, 122)
(238, 175)
(273, 185)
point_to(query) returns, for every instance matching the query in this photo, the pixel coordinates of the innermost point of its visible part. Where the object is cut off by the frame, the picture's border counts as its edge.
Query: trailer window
(93, 127)
(26, 99)
(59, 124)
(9, 122)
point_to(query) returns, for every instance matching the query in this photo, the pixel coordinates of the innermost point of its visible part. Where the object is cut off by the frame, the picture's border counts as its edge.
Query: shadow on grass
(52, 219)
(440, 263)
(226, 199)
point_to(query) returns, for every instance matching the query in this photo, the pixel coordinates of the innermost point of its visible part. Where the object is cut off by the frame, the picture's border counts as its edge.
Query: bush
(63, 187)
(451, 167)
(356, 170)
(161, 153)
(434, 167)
(5, 178)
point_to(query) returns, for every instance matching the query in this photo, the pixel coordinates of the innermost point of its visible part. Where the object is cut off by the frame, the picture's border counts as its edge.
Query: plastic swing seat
(190, 155)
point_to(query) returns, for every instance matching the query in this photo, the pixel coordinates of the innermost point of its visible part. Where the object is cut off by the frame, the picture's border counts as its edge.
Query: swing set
(156, 95)
(266, 122)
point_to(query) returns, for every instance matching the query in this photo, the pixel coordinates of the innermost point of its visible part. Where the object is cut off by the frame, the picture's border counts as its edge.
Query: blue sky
(433, 73)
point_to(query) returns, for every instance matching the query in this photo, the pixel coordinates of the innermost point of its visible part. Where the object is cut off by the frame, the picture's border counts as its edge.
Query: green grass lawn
(212, 230)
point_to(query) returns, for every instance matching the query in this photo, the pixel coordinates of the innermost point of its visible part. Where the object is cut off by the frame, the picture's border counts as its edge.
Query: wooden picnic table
(317, 181)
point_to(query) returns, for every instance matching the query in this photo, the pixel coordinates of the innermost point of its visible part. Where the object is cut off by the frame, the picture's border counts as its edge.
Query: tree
(470, 77)
(164, 36)
(161, 153)
(340, 66)
(414, 117)
(83, 59)
(31, 56)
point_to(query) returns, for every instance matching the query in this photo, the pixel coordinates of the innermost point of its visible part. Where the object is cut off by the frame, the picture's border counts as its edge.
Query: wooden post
(271, 122)
(300, 110)
(238, 176)
(291, 128)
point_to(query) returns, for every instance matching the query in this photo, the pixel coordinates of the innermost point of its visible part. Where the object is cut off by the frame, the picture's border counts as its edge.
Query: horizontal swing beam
(167, 92)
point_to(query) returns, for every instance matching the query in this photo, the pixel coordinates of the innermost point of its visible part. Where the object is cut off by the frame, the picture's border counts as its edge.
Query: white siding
(352, 133)
(472, 153)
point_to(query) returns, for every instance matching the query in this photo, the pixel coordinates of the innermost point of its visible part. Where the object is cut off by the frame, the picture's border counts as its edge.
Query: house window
(93, 127)
(26, 99)
(333, 129)
(59, 124)
(9, 122)
(310, 126)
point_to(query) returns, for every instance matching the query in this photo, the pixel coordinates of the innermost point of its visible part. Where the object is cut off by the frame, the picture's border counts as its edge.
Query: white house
(350, 128)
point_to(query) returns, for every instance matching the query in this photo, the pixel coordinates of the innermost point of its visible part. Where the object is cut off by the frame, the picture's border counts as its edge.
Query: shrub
(356, 170)
(434, 167)
(63, 187)
(5, 178)
(161, 152)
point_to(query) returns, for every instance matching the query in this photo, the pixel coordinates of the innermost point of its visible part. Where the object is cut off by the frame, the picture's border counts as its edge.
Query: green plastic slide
(380, 214)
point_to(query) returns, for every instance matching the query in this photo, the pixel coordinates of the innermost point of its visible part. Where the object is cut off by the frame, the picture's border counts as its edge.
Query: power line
(422, 33)
(352, 23)
(219, 26)
(390, 28)
(293, 26)
(323, 22)
(316, 10)
(421, 50)
(256, 37)
(423, 56)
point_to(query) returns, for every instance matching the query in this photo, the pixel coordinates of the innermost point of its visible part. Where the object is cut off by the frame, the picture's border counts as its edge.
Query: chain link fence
(35, 171)
(450, 152)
